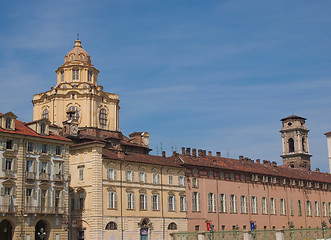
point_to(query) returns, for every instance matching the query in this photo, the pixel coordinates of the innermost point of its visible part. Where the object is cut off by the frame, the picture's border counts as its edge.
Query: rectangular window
(222, 203)
(129, 176)
(57, 200)
(75, 74)
(309, 210)
(43, 199)
(324, 209)
(29, 166)
(81, 201)
(7, 191)
(291, 207)
(243, 204)
(9, 144)
(170, 180)
(264, 205)
(211, 202)
(142, 201)
(155, 202)
(171, 203)
(43, 167)
(156, 178)
(282, 207)
(182, 203)
(81, 174)
(142, 177)
(317, 209)
(254, 205)
(273, 206)
(111, 174)
(57, 150)
(30, 147)
(8, 166)
(181, 181)
(62, 76)
(299, 208)
(195, 201)
(89, 76)
(43, 148)
(112, 200)
(130, 200)
(233, 203)
(195, 182)
(28, 195)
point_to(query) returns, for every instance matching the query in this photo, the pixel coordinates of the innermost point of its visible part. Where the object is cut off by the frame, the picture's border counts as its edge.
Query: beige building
(34, 180)
(118, 190)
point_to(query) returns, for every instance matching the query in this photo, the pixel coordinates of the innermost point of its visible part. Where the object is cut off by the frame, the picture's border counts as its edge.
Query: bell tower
(295, 142)
(77, 95)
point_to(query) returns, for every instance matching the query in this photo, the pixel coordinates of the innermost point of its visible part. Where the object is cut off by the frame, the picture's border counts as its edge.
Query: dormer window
(75, 74)
(8, 123)
(42, 128)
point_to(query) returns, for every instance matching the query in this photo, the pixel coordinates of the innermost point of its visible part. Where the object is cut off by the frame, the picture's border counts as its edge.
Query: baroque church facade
(119, 191)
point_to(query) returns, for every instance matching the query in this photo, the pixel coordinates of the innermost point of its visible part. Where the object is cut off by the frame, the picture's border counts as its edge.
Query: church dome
(77, 54)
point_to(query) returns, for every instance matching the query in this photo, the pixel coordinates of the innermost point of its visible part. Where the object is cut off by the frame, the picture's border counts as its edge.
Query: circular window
(290, 124)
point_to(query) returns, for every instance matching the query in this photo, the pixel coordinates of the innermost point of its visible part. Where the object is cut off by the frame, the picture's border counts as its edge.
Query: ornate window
(111, 226)
(75, 74)
(45, 114)
(62, 76)
(8, 123)
(103, 118)
(73, 113)
(89, 76)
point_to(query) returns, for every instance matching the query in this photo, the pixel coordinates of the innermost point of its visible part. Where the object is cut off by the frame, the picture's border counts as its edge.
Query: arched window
(303, 145)
(103, 118)
(111, 226)
(45, 114)
(172, 226)
(73, 113)
(291, 145)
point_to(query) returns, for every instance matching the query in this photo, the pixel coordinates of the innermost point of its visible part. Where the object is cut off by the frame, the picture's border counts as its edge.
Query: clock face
(74, 129)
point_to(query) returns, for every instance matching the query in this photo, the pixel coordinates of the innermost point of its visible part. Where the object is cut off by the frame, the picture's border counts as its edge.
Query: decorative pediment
(44, 185)
(142, 190)
(44, 158)
(111, 188)
(9, 183)
(129, 190)
(9, 154)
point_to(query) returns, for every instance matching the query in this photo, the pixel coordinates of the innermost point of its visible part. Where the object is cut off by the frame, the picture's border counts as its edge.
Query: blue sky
(216, 75)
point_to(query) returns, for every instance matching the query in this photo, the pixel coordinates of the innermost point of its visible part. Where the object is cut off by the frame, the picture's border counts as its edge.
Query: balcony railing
(40, 209)
(44, 176)
(58, 177)
(8, 208)
(9, 173)
(30, 175)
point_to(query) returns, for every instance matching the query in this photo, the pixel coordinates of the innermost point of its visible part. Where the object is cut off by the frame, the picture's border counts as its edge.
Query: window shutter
(132, 176)
(235, 204)
(115, 200)
(114, 174)
(158, 202)
(3, 164)
(198, 204)
(225, 204)
(109, 199)
(15, 164)
(175, 203)
(133, 203)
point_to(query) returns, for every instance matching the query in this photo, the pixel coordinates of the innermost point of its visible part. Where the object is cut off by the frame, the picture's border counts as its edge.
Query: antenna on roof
(77, 36)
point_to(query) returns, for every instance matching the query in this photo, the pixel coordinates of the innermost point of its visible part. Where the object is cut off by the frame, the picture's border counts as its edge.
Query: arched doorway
(6, 230)
(145, 224)
(41, 231)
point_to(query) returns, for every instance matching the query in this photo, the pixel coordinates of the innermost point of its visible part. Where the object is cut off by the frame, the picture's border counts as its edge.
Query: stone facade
(33, 179)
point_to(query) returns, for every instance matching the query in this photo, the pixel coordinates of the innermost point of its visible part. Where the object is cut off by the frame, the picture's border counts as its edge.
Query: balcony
(58, 177)
(30, 175)
(44, 176)
(44, 210)
(9, 173)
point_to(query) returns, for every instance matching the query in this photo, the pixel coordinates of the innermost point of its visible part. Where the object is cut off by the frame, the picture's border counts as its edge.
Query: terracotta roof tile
(255, 168)
(293, 116)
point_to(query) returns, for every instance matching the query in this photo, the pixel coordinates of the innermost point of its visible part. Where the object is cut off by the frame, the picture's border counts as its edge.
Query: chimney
(183, 150)
(274, 164)
(218, 154)
(266, 162)
(204, 153)
(241, 158)
(317, 170)
(188, 151)
(258, 161)
(200, 152)
(209, 154)
(194, 152)
(163, 154)
(174, 153)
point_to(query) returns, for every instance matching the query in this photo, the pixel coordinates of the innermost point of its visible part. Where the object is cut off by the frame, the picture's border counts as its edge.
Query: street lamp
(42, 233)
